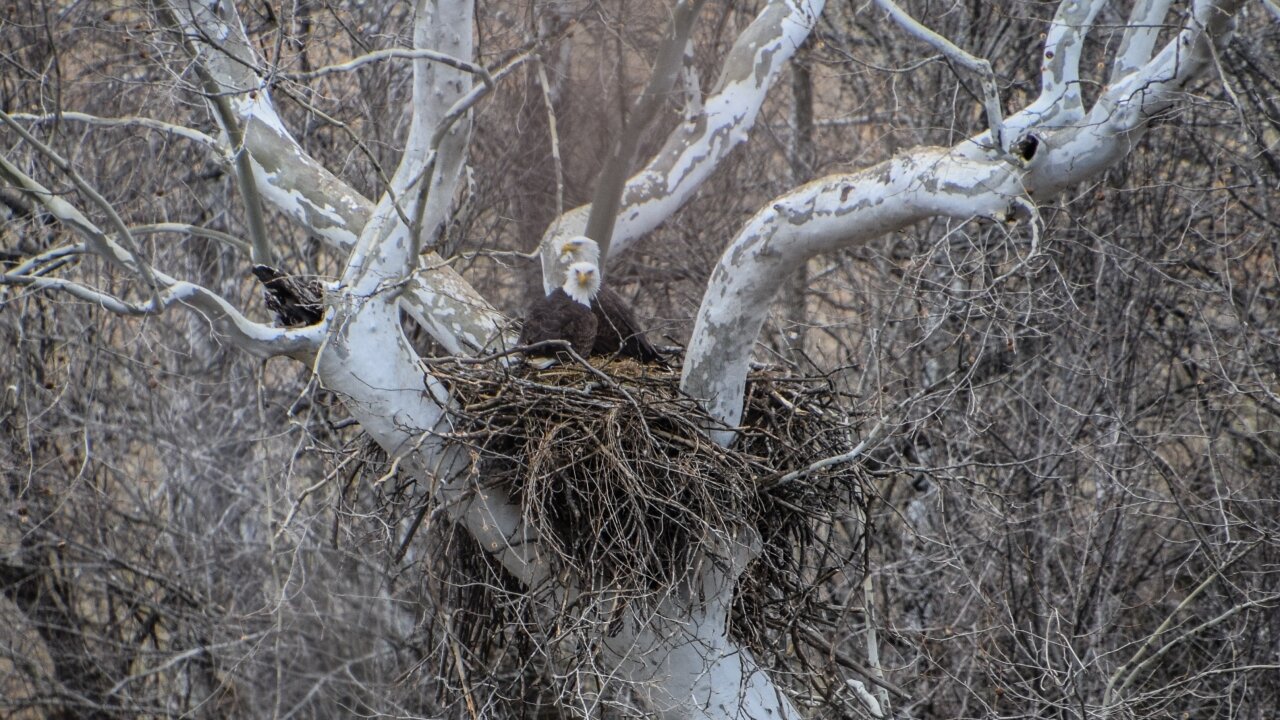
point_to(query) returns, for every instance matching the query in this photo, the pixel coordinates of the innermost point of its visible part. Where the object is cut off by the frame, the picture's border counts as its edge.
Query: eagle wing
(618, 332)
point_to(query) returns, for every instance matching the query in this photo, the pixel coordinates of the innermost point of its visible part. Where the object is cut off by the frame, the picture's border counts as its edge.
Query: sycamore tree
(1055, 324)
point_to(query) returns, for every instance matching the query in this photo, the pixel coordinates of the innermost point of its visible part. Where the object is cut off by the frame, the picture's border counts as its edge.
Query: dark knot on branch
(295, 301)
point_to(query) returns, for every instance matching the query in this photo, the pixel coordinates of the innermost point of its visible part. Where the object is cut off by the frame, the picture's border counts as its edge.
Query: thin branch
(193, 230)
(260, 340)
(184, 656)
(613, 176)
(125, 252)
(1210, 623)
(1111, 688)
(979, 66)
(873, 437)
(396, 53)
(179, 131)
(104, 300)
(555, 135)
(33, 265)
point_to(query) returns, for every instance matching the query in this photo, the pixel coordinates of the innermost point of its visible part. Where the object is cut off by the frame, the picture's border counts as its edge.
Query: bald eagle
(565, 314)
(617, 331)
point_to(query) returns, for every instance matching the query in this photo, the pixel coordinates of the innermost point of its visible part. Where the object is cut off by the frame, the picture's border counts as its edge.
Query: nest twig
(613, 470)
(616, 473)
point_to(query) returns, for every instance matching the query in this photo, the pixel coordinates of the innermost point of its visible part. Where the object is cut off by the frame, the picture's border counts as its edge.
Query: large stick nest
(614, 470)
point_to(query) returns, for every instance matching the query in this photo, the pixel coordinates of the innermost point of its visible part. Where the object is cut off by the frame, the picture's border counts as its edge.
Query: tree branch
(437, 297)
(844, 211)
(123, 251)
(260, 340)
(979, 66)
(827, 214)
(1060, 102)
(612, 178)
(1139, 37)
(695, 148)
(396, 53)
(430, 165)
(178, 131)
(1119, 117)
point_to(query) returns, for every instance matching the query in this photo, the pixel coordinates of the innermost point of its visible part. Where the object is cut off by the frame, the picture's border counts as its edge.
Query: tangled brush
(613, 468)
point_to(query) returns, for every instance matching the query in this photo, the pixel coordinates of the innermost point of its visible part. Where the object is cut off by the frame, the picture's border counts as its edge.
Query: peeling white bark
(1060, 102)
(964, 182)
(1139, 37)
(696, 148)
(827, 214)
(308, 194)
(1120, 116)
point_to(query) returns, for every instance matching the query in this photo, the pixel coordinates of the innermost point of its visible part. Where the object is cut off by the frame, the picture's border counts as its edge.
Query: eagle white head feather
(578, 248)
(563, 252)
(582, 282)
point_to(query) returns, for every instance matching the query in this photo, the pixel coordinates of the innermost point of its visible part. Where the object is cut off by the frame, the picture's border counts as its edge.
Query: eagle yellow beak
(570, 248)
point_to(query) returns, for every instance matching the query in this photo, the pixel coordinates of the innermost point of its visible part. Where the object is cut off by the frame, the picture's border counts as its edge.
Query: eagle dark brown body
(559, 317)
(618, 332)
(564, 314)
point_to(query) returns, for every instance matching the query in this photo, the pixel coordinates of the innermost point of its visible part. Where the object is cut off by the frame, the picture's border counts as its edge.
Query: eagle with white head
(565, 314)
(617, 331)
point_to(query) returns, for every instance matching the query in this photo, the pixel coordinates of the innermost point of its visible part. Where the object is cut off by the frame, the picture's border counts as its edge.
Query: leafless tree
(1029, 248)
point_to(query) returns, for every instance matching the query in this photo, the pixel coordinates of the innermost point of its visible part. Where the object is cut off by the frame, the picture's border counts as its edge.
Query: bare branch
(260, 340)
(429, 166)
(555, 136)
(612, 177)
(1116, 121)
(438, 298)
(978, 66)
(831, 213)
(1060, 102)
(122, 251)
(1139, 37)
(1269, 601)
(178, 131)
(245, 334)
(396, 53)
(195, 231)
(695, 149)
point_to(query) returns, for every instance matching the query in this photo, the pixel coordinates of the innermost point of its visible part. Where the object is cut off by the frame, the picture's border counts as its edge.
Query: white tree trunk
(308, 194)
(968, 181)
(697, 147)
(680, 655)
